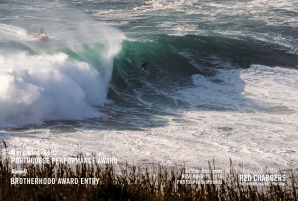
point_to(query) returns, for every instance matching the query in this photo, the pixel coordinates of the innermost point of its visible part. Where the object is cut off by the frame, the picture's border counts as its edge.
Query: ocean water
(222, 81)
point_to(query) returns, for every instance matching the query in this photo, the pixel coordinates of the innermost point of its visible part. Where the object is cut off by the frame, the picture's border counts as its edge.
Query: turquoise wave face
(187, 55)
(178, 63)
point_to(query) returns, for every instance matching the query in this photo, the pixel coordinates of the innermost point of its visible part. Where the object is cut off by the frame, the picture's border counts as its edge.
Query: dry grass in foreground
(129, 183)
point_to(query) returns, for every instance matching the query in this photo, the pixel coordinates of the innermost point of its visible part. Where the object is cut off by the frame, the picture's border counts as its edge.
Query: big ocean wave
(60, 79)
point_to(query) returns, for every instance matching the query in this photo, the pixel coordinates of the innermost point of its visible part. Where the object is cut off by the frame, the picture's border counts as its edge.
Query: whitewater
(222, 80)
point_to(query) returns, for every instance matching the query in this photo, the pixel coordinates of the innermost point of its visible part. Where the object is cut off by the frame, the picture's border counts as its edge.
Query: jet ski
(41, 34)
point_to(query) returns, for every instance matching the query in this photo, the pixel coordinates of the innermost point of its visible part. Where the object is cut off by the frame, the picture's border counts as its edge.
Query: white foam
(288, 44)
(13, 32)
(261, 135)
(48, 87)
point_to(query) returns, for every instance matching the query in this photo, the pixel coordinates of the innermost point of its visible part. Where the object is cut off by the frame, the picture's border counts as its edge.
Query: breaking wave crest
(65, 81)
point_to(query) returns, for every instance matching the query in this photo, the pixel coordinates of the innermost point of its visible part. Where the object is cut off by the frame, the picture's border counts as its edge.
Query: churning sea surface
(221, 84)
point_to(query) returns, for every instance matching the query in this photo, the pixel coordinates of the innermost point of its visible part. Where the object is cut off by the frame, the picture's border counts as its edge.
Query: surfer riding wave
(144, 66)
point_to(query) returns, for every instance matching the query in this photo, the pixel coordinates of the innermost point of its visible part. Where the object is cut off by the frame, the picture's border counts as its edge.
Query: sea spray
(35, 88)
